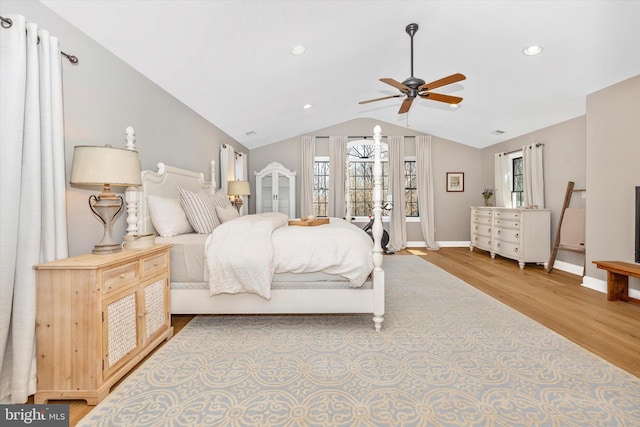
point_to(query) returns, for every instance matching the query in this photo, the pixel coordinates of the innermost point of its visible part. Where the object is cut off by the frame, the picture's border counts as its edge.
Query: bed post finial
(130, 137)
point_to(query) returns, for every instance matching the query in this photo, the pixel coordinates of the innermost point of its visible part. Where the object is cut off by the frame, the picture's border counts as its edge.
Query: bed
(295, 292)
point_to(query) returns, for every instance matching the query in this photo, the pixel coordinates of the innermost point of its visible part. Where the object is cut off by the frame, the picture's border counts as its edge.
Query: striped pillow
(200, 209)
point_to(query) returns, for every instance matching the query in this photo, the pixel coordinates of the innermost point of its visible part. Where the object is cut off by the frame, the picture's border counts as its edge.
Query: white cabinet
(519, 234)
(276, 190)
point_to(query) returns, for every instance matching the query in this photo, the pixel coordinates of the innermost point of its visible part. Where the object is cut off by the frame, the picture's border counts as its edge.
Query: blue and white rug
(447, 355)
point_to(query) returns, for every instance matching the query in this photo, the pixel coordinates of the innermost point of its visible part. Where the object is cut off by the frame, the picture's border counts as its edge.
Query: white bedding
(242, 255)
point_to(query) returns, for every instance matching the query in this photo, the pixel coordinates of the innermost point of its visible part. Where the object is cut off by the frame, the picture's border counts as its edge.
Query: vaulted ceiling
(230, 61)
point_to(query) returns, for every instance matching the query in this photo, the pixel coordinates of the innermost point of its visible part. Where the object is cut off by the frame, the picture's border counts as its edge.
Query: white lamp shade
(239, 188)
(105, 165)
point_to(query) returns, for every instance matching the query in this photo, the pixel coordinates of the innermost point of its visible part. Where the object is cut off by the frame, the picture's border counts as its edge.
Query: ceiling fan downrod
(411, 29)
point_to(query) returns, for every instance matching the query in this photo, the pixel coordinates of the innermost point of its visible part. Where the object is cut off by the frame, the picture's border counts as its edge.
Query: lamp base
(106, 249)
(106, 208)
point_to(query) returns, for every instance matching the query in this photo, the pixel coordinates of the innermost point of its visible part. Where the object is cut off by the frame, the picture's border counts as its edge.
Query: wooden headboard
(164, 183)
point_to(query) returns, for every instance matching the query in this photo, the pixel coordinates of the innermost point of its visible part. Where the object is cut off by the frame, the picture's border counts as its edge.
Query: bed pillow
(168, 217)
(226, 213)
(221, 199)
(200, 209)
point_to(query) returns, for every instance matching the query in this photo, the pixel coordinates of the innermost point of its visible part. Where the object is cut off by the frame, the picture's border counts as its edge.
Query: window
(517, 187)
(321, 187)
(361, 159)
(410, 189)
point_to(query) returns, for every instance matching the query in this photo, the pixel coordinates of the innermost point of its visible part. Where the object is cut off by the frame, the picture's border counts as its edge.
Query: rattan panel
(122, 327)
(154, 304)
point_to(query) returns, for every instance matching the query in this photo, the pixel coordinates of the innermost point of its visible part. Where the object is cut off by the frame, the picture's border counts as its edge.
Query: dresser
(97, 317)
(276, 190)
(520, 234)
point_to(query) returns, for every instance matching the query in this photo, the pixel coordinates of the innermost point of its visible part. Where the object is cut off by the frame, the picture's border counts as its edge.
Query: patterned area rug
(447, 355)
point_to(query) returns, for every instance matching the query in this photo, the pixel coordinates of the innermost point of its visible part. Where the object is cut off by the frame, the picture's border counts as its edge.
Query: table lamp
(238, 189)
(105, 166)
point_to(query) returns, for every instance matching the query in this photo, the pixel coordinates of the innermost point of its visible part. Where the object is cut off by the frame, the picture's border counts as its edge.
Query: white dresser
(520, 234)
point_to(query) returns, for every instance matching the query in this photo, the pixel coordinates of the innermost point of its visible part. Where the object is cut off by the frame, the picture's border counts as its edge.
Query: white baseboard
(443, 244)
(569, 268)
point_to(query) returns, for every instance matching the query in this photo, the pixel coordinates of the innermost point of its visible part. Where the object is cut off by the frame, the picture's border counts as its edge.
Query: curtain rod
(363, 137)
(539, 144)
(8, 23)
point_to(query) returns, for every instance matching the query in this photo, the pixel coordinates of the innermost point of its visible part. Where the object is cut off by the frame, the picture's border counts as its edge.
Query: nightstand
(97, 317)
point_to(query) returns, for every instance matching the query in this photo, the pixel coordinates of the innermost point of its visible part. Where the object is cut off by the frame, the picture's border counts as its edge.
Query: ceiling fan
(414, 86)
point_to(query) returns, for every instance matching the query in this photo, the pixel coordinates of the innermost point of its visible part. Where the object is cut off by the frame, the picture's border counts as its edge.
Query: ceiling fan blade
(406, 104)
(442, 98)
(395, 84)
(380, 99)
(442, 82)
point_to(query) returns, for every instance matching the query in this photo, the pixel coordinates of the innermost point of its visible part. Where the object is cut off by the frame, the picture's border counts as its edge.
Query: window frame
(513, 193)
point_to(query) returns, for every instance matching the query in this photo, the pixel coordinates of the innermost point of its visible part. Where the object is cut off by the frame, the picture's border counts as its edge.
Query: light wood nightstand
(97, 317)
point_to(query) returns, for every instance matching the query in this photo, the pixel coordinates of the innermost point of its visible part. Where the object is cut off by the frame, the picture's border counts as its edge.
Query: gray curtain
(424, 172)
(306, 175)
(337, 165)
(398, 220)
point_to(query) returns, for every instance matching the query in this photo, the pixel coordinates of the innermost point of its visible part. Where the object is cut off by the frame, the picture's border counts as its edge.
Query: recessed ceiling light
(532, 50)
(307, 106)
(251, 133)
(298, 49)
(497, 132)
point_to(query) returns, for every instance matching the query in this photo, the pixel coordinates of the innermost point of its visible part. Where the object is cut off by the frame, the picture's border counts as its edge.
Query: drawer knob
(515, 250)
(517, 235)
(122, 275)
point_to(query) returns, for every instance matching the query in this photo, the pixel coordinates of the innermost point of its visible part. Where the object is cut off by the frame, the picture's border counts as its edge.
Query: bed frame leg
(377, 320)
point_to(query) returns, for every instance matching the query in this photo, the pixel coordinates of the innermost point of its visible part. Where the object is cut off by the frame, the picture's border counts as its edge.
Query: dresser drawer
(482, 229)
(113, 278)
(155, 263)
(502, 223)
(508, 235)
(509, 250)
(481, 242)
(508, 215)
(486, 213)
(481, 220)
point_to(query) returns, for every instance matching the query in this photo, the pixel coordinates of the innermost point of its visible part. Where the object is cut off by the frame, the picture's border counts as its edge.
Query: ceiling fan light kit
(413, 87)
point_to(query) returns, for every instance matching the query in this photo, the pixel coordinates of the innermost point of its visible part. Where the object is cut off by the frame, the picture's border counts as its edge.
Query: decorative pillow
(226, 213)
(221, 199)
(168, 217)
(200, 210)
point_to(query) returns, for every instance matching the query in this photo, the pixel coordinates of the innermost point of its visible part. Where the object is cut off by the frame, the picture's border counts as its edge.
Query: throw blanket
(243, 254)
(240, 254)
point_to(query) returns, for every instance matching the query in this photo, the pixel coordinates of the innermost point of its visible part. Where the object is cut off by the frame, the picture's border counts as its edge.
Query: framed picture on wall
(455, 181)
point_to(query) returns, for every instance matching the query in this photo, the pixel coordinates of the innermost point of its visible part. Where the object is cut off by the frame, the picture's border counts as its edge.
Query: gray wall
(102, 96)
(452, 209)
(613, 172)
(564, 160)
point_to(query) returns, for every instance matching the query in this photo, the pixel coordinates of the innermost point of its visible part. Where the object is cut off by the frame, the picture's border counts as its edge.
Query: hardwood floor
(609, 329)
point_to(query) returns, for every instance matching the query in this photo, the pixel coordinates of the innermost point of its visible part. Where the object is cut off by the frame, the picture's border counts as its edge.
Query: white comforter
(243, 254)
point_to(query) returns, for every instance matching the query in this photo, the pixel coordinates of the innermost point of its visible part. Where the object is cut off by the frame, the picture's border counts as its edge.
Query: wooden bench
(618, 274)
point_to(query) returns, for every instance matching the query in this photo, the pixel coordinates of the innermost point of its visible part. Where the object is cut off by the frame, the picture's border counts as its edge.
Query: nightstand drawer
(112, 278)
(155, 263)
